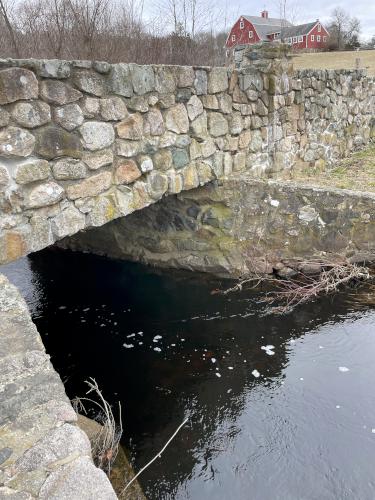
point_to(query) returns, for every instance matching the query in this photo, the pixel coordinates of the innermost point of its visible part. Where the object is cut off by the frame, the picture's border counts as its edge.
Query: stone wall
(83, 143)
(43, 453)
(241, 226)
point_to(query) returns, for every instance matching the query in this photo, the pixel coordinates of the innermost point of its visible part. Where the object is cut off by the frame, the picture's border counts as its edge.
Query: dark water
(304, 429)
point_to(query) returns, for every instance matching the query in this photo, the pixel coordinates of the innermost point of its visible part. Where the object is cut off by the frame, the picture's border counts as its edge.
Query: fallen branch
(303, 288)
(155, 457)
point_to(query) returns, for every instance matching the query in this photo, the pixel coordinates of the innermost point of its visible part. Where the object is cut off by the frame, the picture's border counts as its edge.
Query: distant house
(254, 29)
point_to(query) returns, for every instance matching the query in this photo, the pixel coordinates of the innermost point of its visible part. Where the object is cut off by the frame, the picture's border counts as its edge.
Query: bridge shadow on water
(167, 348)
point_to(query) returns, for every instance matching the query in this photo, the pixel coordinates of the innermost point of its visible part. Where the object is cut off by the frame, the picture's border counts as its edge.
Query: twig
(155, 457)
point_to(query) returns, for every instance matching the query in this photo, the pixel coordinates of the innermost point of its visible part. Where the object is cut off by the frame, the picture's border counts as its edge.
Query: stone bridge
(83, 143)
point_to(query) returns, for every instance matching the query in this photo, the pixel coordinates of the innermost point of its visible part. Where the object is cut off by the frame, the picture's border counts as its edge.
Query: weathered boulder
(143, 78)
(127, 172)
(97, 135)
(97, 159)
(44, 195)
(217, 124)
(194, 107)
(56, 92)
(113, 109)
(92, 186)
(32, 170)
(154, 124)
(217, 80)
(16, 84)
(200, 82)
(69, 116)
(90, 82)
(131, 128)
(119, 80)
(177, 119)
(15, 142)
(53, 142)
(69, 169)
(68, 222)
(31, 114)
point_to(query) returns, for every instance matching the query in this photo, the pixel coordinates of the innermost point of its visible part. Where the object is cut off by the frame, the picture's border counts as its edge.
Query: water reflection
(166, 348)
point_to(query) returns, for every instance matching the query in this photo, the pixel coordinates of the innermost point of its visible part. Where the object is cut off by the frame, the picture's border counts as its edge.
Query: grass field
(355, 172)
(336, 60)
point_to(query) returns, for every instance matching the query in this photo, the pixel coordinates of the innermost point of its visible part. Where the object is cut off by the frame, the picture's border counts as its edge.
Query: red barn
(253, 29)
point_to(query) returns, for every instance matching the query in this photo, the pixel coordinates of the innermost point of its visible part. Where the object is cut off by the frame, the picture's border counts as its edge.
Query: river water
(295, 421)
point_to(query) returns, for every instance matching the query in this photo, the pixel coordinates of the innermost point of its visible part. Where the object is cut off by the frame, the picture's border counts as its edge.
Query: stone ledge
(43, 453)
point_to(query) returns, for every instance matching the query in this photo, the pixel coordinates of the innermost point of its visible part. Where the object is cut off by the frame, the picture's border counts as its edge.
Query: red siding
(314, 44)
(242, 35)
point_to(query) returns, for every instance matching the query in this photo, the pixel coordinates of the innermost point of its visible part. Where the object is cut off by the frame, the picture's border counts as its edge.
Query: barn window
(319, 28)
(251, 34)
(324, 39)
(294, 39)
(318, 38)
(233, 38)
(300, 38)
(241, 25)
(312, 38)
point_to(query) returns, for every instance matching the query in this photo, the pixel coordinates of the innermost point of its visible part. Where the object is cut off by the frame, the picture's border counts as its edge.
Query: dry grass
(336, 60)
(356, 172)
(105, 443)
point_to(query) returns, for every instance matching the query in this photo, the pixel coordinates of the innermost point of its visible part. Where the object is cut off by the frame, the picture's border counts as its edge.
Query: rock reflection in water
(302, 429)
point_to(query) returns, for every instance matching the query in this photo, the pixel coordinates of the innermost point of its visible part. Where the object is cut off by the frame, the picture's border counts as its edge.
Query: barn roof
(301, 29)
(266, 25)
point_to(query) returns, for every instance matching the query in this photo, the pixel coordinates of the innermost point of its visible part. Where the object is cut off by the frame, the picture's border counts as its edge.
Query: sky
(307, 11)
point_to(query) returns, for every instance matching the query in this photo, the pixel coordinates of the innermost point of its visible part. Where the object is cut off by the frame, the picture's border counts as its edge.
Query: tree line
(190, 32)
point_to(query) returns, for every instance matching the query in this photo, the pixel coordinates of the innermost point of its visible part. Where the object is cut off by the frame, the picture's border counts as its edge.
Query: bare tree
(5, 16)
(344, 29)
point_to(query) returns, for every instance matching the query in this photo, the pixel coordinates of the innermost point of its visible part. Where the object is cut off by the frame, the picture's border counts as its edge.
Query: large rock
(15, 142)
(56, 92)
(16, 84)
(143, 78)
(90, 82)
(31, 171)
(53, 142)
(194, 107)
(131, 128)
(200, 82)
(97, 159)
(157, 184)
(120, 81)
(54, 68)
(113, 109)
(44, 195)
(92, 186)
(217, 124)
(69, 169)
(31, 114)
(97, 135)
(67, 222)
(69, 116)
(77, 480)
(177, 119)
(127, 172)
(154, 124)
(217, 80)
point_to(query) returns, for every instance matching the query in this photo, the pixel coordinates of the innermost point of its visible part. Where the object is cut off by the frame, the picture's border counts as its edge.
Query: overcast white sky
(308, 10)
